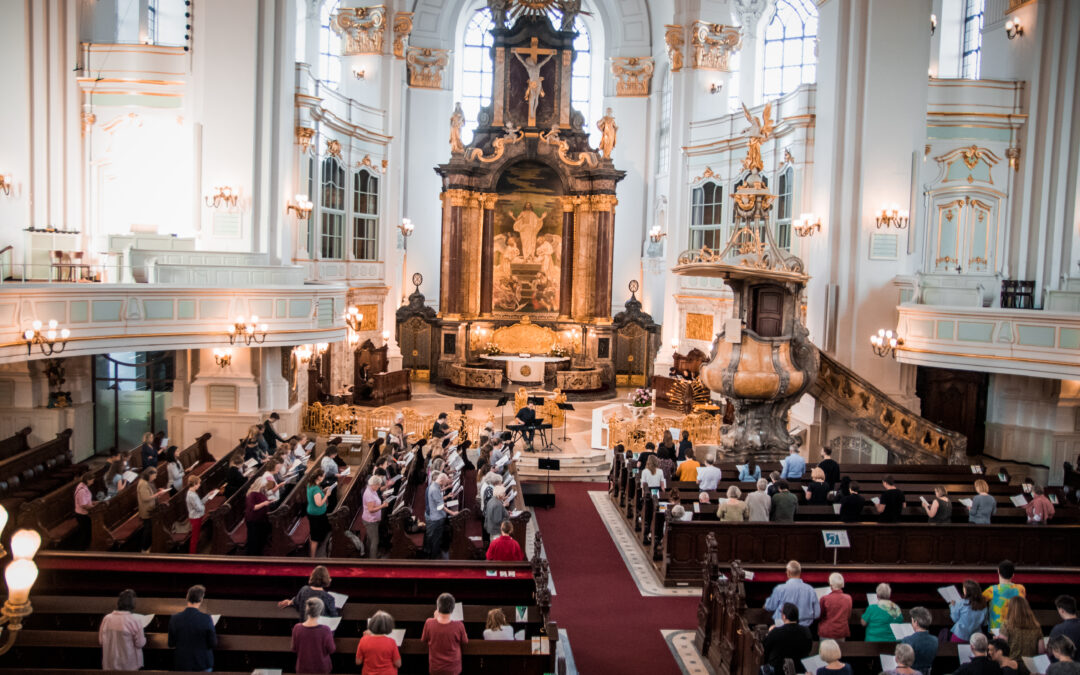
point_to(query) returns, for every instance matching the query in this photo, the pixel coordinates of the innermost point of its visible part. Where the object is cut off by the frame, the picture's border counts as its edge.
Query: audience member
(1040, 509)
(905, 659)
(191, 634)
(817, 491)
(794, 591)
(829, 652)
(441, 427)
(497, 627)
(878, 617)
(793, 466)
(372, 515)
(677, 512)
(312, 642)
(651, 476)
(709, 475)
(788, 639)
(377, 651)
(272, 437)
(251, 445)
(749, 472)
(688, 470)
(444, 638)
(256, 515)
(703, 498)
(234, 477)
(175, 470)
(835, 610)
(121, 635)
(1062, 652)
(980, 663)
(435, 514)
(147, 498)
(505, 547)
(733, 509)
(643, 457)
(83, 501)
(1021, 629)
(148, 454)
(196, 509)
(1000, 593)
(784, 504)
(1070, 624)
(318, 582)
(328, 464)
(831, 469)
(939, 509)
(318, 521)
(495, 513)
(983, 506)
(666, 449)
(774, 480)
(968, 615)
(924, 644)
(759, 503)
(998, 651)
(852, 504)
(684, 445)
(114, 478)
(891, 502)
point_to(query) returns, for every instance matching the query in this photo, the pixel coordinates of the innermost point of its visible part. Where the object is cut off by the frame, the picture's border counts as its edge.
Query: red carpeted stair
(611, 626)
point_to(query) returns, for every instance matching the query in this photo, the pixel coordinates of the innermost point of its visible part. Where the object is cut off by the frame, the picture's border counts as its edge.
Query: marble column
(487, 251)
(566, 280)
(604, 206)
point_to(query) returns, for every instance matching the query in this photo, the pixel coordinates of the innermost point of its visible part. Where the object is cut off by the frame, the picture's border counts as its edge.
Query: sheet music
(144, 619)
(950, 594)
(130, 476)
(309, 446)
(822, 591)
(210, 495)
(871, 598)
(331, 621)
(812, 663)
(901, 630)
(1018, 500)
(251, 462)
(339, 599)
(215, 618)
(399, 635)
(697, 507)
(888, 662)
(964, 652)
(459, 613)
(966, 502)
(1038, 664)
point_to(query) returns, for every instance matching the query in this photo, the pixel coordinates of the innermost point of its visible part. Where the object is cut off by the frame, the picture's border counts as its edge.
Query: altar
(524, 368)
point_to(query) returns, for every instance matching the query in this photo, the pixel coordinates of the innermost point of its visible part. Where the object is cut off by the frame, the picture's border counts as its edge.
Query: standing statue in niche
(533, 90)
(607, 128)
(527, 224)
(457, 121)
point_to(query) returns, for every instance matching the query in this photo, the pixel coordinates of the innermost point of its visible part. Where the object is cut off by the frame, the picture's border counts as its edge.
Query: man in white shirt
(709, 475)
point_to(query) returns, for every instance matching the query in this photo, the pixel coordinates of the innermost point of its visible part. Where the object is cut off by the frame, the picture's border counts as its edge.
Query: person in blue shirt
(749, 472)
(969, 614)
(794, 466)
(435, 513)
(924, 644)
(797, 592)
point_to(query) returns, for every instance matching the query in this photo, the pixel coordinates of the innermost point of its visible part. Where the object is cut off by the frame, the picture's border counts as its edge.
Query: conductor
(527, 416)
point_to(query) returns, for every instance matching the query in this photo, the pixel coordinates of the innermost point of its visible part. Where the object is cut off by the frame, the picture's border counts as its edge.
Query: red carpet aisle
(612, 628)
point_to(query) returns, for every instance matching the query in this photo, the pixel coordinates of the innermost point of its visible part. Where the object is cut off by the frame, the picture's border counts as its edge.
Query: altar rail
(353, 420)
(633, 433)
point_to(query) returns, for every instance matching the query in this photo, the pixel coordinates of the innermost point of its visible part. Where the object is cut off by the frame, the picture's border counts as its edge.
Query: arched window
(365, 215)
(790, 38)
(663, 134)
(332, 210)
(329, 46)
(784, 194)
(473, 87)
(706, 216)
(972, 54)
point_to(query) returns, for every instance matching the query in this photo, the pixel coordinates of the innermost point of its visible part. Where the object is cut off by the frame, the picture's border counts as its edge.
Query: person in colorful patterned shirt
(999, 594)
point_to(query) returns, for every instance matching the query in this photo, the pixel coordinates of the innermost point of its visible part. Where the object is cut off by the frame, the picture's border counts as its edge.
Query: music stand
(501, 403)
(549, 465)
(463, 407)
(537, 400)
(565, 407)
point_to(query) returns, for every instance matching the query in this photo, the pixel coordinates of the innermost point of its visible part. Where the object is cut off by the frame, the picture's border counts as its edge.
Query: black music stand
(534, 497)
(565, 407)
(463, 407)
(501, 403)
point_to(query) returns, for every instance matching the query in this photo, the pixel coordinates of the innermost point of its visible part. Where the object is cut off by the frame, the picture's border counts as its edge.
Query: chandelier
(885, 343)
(249, 331)
(51, 341)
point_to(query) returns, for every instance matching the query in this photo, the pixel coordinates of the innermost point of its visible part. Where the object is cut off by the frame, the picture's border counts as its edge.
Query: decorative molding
(709, 173)
(333, 148)
(366, 162)
(1013, 155)
(403, 23)
(675, 42)
(749, 13)
(363, 29)
(633, 75)
(511, 136)
(713, 44)
(699, 326)
(305, 137)
(426, 66)
(88, 120)
(562, 147)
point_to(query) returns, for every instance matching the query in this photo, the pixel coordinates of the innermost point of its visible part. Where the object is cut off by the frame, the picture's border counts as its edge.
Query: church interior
(731, 337)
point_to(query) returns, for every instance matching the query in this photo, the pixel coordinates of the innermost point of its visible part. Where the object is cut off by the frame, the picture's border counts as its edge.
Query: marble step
(592, 466)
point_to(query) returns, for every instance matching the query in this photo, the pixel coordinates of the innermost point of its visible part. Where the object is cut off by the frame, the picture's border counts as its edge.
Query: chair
(56, 271)
(79, 270)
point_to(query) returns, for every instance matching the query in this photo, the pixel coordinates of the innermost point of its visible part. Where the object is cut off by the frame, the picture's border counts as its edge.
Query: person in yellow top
(688, 469)
(998, 595)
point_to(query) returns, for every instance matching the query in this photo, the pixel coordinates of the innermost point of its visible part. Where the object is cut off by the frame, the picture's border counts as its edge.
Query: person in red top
(444, 638)
(835, 611)
(378, 651)
(1040, 509)
(505, 548)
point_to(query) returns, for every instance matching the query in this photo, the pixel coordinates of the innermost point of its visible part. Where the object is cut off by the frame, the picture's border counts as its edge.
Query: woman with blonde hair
(497, 628)
(251, 445)
(733, 509)
(982, 505)
(147, 452)
(817, 491)
(939, 510)
(878, 617)
(652, 477)
(829, 652)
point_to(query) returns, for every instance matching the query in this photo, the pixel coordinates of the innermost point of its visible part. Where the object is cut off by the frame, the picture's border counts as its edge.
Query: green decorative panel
(1036, 336)
(262, 308)
(282, 308)
(973, 331)
(185, 309)
(1070, 338)
(213, 309)
(299, 309)
(78, 311)
(325, 313)
(906, 294)
(158, 309)
(945, 330)
(923, 328)
(106, 310)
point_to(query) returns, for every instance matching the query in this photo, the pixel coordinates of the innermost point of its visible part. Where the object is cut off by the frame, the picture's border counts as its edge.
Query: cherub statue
(758, 132)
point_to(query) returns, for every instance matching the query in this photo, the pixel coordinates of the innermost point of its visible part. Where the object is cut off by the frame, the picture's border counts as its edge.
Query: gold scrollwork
(362, 28)
(713, 44)
(632, 75)
(403, 25)
(674, 40)
(562, 147)
(511, 136)
(425, 66)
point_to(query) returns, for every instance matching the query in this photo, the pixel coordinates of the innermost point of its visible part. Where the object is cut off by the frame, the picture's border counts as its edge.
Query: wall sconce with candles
(316, 357)
(20, 575)
(806, 225)
(51, 341)
(301, 206)
(386, 337)
(885, 343)
(1013, 28)
(222, 195)
(715, 88)
(655, 235)
(892, 216)
(358, 74)
(302, 354)
(248, 331)
(6, 183)
(223, 357)
(354, 319)
(406, 227)
(933, 24)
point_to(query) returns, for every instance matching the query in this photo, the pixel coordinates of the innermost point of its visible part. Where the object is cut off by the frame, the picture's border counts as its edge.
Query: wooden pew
(167, 516)
(288, 520)
(19, 473)
(13, 445)
(346, 516)
(228, 530)
(53, 514)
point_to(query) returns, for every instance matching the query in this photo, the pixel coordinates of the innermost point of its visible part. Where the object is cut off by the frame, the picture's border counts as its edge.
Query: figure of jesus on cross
(532, 65)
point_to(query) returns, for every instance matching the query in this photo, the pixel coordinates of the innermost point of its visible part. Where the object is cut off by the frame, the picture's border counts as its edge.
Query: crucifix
(532, 65)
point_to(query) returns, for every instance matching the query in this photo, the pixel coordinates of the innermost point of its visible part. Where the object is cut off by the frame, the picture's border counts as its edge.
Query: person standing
(377, 651)
(924, 644)
(1070, 624)
(784, 504)
(270, 434)
(318, 521)
(147, 452)
(83, 501)
(191, 634)
(175, 470)
(312, 642)
(121, 636)
(505, 547)
(998, 595)
(1039, 510)
(980, 663)
(684, 445)
(444, 638)
(235, 478)
(372, 515)
(196, 509)
(852, 504)
(835, 622)
(793, 465)
(796, 592)
(878, 617)
(940, 509)
(318, 582)
(891, 503)
(758, 503)
(435, 513)
(831, 469)
(688, 470)
(969, 614)
(147, 499)
(495, 512)
(256, 515)
(983, 505)
(788, 639)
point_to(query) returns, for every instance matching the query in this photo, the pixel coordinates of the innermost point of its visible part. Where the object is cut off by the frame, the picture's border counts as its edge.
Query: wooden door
(414, 338)
(768, 312)
(956, 400)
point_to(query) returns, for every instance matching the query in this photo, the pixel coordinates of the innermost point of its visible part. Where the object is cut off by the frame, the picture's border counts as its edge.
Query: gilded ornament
(562, 147)
(362, 29)
(333, 148)
(425, 66)
(88, 121)
(403, 25)
(511, 136)
(632, 75)
(607, 128)
(674, 40)
(713, 44)
(305, 137)
(709, 173)
(699, 327)
(757, 133)
(457, 121)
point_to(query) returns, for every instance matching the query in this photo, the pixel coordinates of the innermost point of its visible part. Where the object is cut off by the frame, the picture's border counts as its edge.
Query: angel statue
(758, 132)
(457, 121)
(498, 12)
(570, 9)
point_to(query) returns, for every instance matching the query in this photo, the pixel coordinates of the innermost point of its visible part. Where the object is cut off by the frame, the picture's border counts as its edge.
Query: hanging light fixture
(885, 343)
(250, 331)
(51, 341)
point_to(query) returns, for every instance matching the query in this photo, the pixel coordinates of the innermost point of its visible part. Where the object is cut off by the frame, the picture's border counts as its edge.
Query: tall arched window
(706, 216)
(477, 71)
(365, 215)
(790, 38)
(972, 52)
(784, 194)
(663, 134)
(332, 210)
(329, 46)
